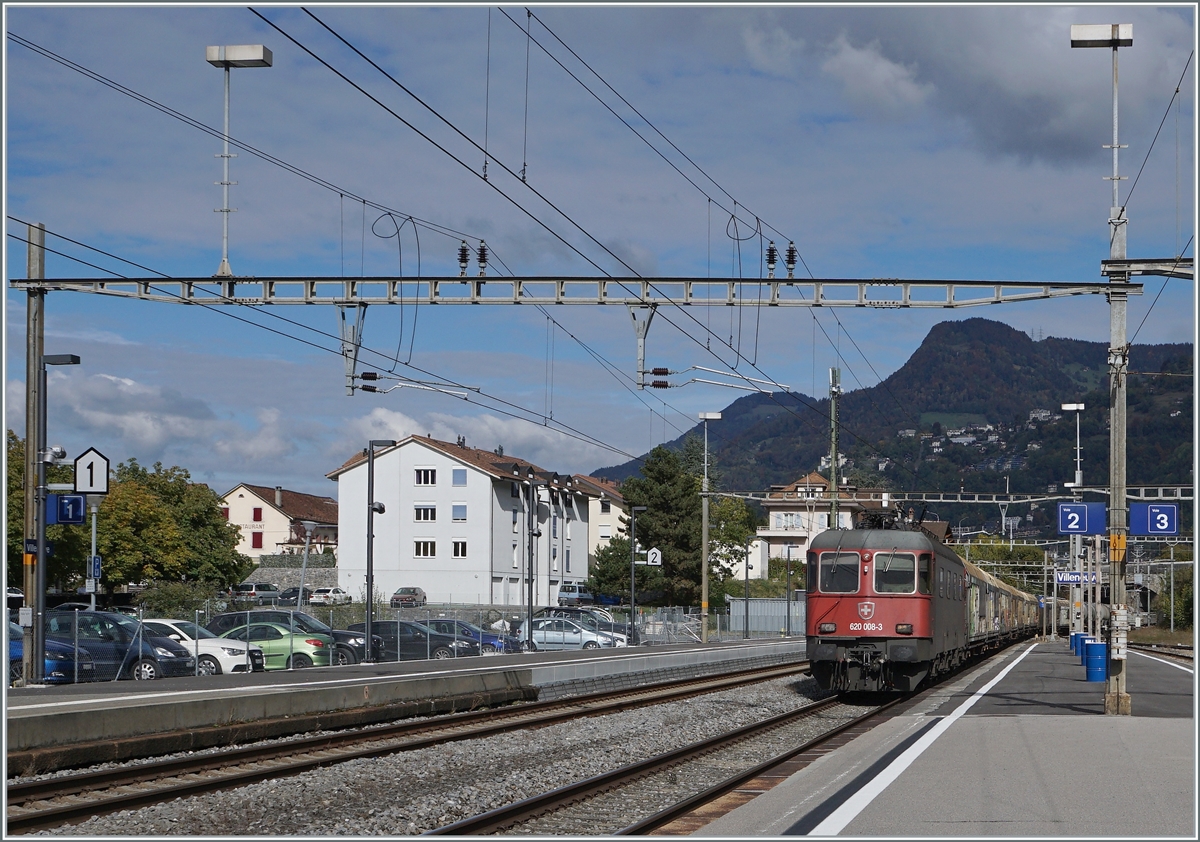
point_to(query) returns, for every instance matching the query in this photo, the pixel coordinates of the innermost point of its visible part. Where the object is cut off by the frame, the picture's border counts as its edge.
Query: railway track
(1172, 650)
(660, 790)
(66, 799)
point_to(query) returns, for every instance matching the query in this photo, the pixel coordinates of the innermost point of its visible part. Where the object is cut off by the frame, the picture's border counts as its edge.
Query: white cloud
(870, 79)
(773, 51)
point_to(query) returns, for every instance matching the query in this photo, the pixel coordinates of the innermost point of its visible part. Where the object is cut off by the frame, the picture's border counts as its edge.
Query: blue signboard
(1082, 518)
(65, 508)
(94, 572)
(1153, 519)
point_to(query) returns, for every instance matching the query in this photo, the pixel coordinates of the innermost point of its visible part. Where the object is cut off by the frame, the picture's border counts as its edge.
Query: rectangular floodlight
(239, 55)
(1100, 35)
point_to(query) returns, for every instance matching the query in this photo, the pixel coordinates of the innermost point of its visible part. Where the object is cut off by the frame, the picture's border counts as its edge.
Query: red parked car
(408, 598)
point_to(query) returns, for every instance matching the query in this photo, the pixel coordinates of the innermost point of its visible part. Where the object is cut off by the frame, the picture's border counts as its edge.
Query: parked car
(120, 646)
(283, 648)
(405, 641)
(329, 596)
(561, 633)
(408, 597)
(72, 606)
(490, 642)
(596, 619)
(289, 596)
(63, 661)
(15, 598)
(213, 655)
(350, 646)
(260, 593)
(572, 593)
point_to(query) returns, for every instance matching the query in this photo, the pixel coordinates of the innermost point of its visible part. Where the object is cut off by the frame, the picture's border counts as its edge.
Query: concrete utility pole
(34, 346)
(835, 389)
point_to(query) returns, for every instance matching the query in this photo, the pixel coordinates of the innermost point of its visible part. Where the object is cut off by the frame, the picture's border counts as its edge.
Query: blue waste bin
(1096, 660)
(1084, 640)
(1074, 643)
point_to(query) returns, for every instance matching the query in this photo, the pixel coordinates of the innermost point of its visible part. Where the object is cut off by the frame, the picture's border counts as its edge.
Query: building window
(424, 513)
(554, 559)
(425, 549)
(567, 526)
(568, 559)
(514, 490)
(516, 557)
(426, 476)
(256, 540)
(553, 526)
(458, 476)
(605, 530)
(458, 512)
(257, 514)
(458, 549)
(605, 507)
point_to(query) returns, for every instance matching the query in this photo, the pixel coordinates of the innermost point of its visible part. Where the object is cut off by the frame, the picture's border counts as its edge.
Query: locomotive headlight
(903, 628)
(827, 628)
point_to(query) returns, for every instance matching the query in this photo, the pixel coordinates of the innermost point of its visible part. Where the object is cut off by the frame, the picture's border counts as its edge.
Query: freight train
(889, 607)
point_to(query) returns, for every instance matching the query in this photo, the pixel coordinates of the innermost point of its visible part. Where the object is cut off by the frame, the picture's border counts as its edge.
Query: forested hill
(966, 374)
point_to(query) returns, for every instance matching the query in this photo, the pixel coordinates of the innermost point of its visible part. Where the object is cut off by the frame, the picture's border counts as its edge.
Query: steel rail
(301, 755)
(1171, 650)
(675, 811)
(504, 817)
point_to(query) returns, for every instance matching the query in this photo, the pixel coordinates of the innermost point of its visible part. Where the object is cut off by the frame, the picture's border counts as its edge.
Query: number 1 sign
(91, 473)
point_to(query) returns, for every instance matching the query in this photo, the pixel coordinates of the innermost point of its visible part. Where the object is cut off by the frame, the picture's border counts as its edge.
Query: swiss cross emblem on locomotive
(866, 610)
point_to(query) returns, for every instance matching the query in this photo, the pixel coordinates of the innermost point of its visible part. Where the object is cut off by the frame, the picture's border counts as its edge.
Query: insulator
(772, 255)
(368, 388)
(660, 372)
(464, 256)
(791, 256)
(369, 375)
(482, 256)
(659, 384)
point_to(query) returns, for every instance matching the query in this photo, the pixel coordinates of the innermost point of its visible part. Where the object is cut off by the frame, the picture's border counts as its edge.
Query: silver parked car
(560, 633)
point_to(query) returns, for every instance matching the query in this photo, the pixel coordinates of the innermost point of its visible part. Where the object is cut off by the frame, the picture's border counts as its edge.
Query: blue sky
(921, 142)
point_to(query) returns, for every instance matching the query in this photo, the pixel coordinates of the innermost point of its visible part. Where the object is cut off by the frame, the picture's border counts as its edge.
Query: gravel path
(416, 791)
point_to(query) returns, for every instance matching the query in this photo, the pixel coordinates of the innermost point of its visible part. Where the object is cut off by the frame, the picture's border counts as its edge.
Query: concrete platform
(45, 717)
(1032, 756)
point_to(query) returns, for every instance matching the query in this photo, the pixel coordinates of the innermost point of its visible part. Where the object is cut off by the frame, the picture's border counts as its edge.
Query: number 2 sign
(1081, 518)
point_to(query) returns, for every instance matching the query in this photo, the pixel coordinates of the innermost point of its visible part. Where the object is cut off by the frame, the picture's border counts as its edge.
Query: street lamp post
(238, 55)
(788, 603)
(534, 534)
(746, 612)
(633, 510)
(373, 508)
(1076, 540)
(309, 526)
(45, 456)
(705, 417)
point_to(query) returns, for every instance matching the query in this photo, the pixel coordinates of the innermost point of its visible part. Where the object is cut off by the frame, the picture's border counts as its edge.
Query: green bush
(176, 599)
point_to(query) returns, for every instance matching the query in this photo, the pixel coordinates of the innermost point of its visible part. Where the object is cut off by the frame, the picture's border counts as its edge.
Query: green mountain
(971, 374)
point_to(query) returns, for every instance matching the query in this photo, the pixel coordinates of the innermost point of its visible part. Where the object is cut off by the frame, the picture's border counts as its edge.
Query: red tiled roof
(298, 506)
(597, 485)
(487, 461)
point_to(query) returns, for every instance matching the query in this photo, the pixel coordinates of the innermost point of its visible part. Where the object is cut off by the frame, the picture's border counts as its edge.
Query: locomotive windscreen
(839, 572)
(895, 573)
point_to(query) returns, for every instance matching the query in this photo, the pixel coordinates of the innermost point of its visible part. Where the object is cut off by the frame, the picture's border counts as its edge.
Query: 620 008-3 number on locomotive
(890, 606)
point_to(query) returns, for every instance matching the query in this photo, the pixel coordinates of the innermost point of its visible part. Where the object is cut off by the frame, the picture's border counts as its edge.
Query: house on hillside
(799, 511)
(272, 519)
(456, 524)
(606, 506)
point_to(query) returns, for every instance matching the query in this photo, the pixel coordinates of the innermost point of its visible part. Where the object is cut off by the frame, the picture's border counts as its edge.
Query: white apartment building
(456, 524)
(271, 519)
(801, 510)
(606, 506)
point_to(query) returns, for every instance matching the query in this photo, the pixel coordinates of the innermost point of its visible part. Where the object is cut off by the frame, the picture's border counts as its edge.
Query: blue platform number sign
(1081, 518)
(1153, 519)
(65, 508)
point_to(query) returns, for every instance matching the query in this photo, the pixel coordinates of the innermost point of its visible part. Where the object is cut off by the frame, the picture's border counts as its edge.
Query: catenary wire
(1133, 186)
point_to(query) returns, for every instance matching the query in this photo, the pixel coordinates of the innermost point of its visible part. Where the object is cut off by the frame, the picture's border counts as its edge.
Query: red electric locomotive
(889, 607)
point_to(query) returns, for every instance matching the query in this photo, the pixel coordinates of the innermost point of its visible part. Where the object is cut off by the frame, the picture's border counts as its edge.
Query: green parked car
(282, 649)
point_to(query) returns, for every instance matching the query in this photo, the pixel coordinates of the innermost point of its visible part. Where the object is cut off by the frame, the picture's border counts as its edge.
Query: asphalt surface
(1034, 756)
